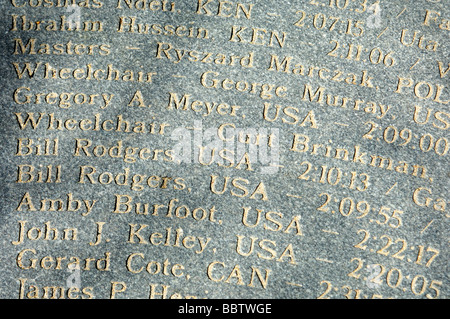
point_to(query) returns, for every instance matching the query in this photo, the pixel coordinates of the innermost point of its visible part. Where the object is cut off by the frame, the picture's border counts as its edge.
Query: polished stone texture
(303, 249)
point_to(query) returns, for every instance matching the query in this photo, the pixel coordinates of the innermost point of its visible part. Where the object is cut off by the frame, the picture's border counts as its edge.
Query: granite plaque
(224, 149)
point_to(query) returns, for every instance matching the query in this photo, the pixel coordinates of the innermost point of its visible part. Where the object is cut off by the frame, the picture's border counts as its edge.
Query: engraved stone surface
(224, 149)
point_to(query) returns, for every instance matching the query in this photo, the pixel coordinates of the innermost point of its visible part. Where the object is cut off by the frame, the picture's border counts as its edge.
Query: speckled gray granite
(328, 122)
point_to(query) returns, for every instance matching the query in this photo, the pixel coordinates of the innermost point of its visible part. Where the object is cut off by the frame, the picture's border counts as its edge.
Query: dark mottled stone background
(308, 46)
